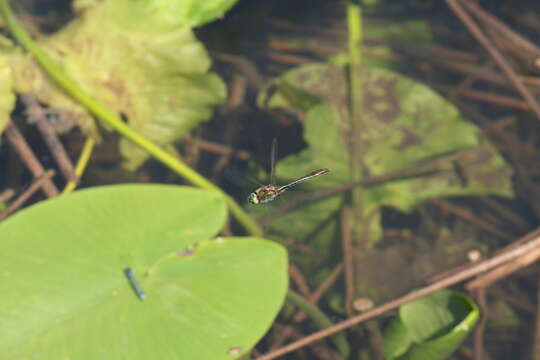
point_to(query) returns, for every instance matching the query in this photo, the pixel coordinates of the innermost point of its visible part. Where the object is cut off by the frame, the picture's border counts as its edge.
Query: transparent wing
(311, 175)
(273, 152)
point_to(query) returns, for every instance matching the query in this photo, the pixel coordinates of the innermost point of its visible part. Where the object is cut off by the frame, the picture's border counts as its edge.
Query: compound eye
(253, 199)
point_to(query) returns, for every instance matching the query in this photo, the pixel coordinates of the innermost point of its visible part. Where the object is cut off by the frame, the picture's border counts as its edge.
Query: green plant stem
(81, 164)
(356, 111)
(354, 27)
(110, 117)
(320, 319)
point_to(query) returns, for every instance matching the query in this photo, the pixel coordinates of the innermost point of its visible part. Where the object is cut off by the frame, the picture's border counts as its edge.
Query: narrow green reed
(109, 116)
(356, 111)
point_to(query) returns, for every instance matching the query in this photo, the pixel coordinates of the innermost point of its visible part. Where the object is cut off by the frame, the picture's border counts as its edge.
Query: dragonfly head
(253, 198)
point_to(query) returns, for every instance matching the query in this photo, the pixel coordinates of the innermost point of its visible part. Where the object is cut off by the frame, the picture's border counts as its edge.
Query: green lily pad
(138, 58)
(65, 294)
(431, 327)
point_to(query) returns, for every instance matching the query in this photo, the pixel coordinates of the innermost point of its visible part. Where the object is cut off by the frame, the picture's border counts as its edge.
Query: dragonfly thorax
(265, 194)
(253, 199)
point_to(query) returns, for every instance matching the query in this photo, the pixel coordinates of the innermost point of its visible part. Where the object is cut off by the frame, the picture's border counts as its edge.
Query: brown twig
(192, 150)
(237, 92)
(437, 52)
(513, 300)
(7, 194)
(497, 133)
(36, 114)
(299, 280)
(21, 199)
(319, 292)
(288, 59)
(16, 139)
(510, 247)
(282, 334)
(500, 100)
(376, 342)
(481, 73)
(328, 48)
(246, 67)
(495, 54)
(470, 218)
(467, 82)
(347, 250)
(536, 343)
(474, 270)
(478, 349)
(455, 270)
(313, 299)
(502, 28)
(289, 27)
(503, 271)
(218, 148)
(505, 213)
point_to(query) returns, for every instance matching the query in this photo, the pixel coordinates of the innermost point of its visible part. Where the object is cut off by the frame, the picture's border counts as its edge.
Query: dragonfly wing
(273, 152)
(312, 174)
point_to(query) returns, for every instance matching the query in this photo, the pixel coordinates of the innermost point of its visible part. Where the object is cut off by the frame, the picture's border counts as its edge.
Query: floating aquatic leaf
(137, 57)
(431, 328)
(406, 124)
(65, 294)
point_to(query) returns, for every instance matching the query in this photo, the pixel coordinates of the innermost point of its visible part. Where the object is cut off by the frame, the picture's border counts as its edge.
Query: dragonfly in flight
(267, 193)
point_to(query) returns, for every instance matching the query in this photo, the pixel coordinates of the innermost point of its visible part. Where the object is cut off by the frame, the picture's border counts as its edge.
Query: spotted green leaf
(406, 124)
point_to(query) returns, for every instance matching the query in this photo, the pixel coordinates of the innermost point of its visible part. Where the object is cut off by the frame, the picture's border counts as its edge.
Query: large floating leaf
(140, 58)
(405, 124)
(64, 293)
(431, 327)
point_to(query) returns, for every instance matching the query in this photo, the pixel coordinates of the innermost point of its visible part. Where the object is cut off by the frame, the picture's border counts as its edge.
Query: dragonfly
(267, 193)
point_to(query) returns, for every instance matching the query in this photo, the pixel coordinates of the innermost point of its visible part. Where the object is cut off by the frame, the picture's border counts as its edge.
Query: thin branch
(501, 27)
(503, 271)
(536, 344)
(474, 220)
(6, 194)
(299, 280)
(347, 250)
(318, 293)
(300, 316)
(36, 114)
(319, 318)
(218, 148)
(505, 213)
(478, 349)
(27, 156)
(483, 96)
(495, 54)
(474, 270)
(38, 183)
